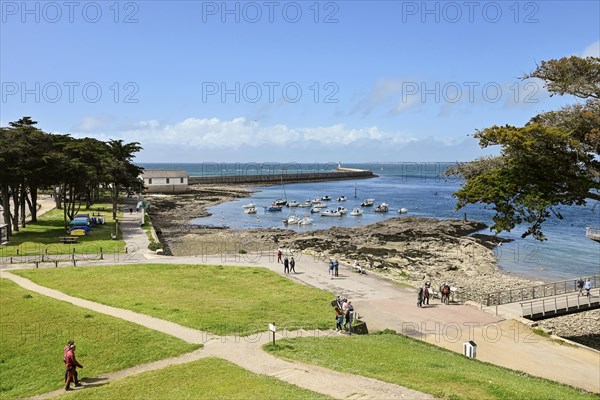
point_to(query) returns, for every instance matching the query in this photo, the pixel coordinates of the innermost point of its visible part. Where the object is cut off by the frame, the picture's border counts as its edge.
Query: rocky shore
(408, 249)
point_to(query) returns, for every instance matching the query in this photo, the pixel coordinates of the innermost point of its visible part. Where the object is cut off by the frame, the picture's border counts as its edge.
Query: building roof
(164, 173)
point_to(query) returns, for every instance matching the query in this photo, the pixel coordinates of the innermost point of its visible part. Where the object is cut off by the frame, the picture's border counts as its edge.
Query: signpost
(273, 329)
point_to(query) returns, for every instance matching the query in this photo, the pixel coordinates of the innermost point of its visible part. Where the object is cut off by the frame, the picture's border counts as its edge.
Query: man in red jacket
(71, 364)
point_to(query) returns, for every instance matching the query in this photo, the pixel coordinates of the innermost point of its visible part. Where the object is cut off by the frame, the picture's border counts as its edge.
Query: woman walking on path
(292, 265)
(580, 285)
(587, 287)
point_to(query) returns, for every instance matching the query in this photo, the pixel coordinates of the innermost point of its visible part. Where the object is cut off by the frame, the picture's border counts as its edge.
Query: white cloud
(593, 50)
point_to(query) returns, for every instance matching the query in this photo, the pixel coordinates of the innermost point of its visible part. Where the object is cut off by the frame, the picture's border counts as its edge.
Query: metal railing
(535, 292)
(558, 304)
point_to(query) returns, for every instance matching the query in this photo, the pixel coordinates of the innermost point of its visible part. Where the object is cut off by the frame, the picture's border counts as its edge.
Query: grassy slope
(221, 300)
(209, 378)
(42, 236)
(35, 329)
(423, 367)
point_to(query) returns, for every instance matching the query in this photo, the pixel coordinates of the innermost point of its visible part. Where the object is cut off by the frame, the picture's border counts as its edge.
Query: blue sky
(305, 81)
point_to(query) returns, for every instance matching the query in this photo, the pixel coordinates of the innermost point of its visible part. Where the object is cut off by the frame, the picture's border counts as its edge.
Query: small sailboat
(356, 212)
(280, 202)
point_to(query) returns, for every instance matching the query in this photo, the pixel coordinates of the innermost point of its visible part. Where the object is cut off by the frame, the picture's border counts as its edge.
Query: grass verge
(35, 329)
(43, 236)
(421, 366)
(209, 378)
(216, 299)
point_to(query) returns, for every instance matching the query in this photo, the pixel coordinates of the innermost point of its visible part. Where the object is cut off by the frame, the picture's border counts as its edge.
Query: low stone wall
(179, 188)
(287, 178)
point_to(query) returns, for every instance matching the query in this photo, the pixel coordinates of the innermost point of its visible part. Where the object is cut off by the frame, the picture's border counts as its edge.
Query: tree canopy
(74, 169)
(553, 160)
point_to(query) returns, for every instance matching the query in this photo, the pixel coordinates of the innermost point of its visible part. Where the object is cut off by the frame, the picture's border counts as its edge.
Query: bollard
(11, 260)
(37, 264)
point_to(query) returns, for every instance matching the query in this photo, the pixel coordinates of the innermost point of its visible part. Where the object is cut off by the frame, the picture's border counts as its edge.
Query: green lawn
(35, 329)
(43, 236)
(216, 299)
(209, 378)
(423, 367)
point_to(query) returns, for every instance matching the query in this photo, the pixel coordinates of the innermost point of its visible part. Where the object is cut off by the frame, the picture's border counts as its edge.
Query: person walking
(420, 297)
(348, 313)
(587, 287)
(330, 269)
(279, 254)
(286, 266)
(336, 267)
(580, 284)
(339, 318)
(426, 295)
(65, 350)
(292, 265)
(71, 364)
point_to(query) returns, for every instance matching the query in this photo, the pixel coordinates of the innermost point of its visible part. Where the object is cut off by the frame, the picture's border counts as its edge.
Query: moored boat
(306, 221)
(356, 212)
(341, 198)
(293, 203)
(383, 207)
(249, 205)
(326, 198)
(273, 207)
(367, 203)
(402, 210)
(250, 210)
(331, 213)
(280, 202)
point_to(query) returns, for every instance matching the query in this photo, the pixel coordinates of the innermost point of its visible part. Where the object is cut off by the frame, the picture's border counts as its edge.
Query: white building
(165, 181)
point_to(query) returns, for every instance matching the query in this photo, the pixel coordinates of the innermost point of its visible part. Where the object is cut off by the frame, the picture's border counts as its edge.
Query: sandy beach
(408, 250)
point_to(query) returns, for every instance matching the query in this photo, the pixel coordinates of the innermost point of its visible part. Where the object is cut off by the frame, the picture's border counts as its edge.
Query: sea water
(424, 191)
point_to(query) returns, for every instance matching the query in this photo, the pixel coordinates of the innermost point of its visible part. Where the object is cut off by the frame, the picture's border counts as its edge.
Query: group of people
(71, 365)
(587, 285)
(289, 265)
(425, 292)
(334, 267)
(343, 311)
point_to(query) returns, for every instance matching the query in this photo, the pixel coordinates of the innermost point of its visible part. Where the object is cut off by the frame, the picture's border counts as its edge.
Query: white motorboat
(280, 202)
(315, 200)
(326, 198)
(306, 221)
(341, 198)
(341, 210)
(305, 204)
(291, 220)
(293, 203)
(356, 212)
(249, 205)
(367, 203)
(403, 210)
(331, 213)
(250, 210)
(383, 207)
(320, 205)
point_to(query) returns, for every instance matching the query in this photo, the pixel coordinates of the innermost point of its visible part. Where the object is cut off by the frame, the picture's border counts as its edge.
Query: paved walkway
(243, 351)
(383, 304)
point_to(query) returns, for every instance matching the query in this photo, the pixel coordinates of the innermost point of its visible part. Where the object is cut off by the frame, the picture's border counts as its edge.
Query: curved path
(245, 352)
(383, 304)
